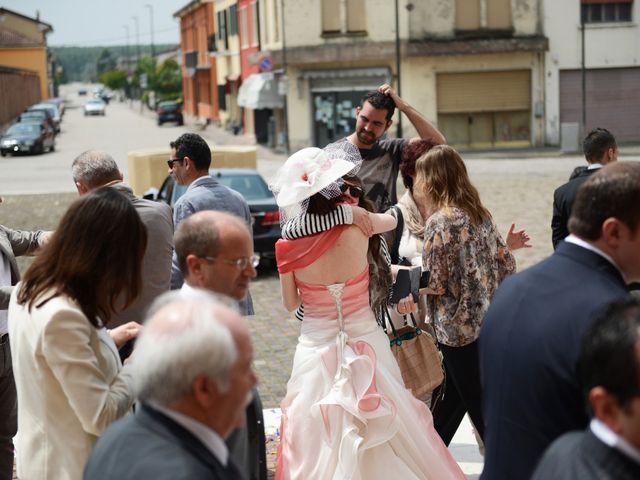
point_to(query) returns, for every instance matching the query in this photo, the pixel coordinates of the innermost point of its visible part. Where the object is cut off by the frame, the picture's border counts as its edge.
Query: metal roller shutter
(484, 91)
(612, 100)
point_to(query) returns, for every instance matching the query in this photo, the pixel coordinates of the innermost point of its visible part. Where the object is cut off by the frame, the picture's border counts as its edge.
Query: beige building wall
(271, 25)
(419, 88)
(228, 65)
(28, 28)
(28, 58)
(304, 23)
(439, 18)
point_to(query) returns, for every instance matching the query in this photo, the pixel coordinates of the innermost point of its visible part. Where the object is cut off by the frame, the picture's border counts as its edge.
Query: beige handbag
(419, 359)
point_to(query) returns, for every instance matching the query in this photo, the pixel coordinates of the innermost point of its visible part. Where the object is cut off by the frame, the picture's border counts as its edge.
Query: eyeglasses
(240, 263)
(355, 192)
(171, 160)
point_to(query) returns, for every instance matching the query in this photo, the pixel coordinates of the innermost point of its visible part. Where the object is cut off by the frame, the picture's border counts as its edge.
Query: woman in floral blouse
(467, 259)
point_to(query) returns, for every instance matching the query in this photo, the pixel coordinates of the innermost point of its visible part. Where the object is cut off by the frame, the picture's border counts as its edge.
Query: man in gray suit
(192, 373)
(93, 169)
(13, 243)
(189, 164)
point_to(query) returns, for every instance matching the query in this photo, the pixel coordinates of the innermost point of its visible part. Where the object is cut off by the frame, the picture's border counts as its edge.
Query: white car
(95, 106)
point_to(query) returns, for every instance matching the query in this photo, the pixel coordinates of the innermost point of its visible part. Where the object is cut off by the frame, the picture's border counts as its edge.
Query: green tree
(114, 79)
(169, 80)
(106, 61)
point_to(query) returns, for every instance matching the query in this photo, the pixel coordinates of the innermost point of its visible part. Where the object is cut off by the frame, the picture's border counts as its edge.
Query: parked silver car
(95, 106)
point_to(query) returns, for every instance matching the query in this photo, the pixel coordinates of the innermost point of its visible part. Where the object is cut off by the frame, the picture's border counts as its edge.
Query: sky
(86, 23)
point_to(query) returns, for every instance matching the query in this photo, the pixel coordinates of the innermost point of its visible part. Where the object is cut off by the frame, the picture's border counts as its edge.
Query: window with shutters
(255, 29)
(472, 15)
(344, 17)
(602, 11)
(244, 27)
(233, 19)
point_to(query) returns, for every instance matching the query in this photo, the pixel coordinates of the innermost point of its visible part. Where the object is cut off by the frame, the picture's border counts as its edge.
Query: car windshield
(33, 114)
(168, 106)
(23, 128)
(250, 186)
(47, 107)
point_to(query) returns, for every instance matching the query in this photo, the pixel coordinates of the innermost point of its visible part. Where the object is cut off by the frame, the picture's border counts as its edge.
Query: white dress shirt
(612, 439)
(581, 243)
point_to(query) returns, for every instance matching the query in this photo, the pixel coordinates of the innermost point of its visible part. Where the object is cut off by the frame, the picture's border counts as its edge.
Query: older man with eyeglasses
(189, 165)
(215, 252)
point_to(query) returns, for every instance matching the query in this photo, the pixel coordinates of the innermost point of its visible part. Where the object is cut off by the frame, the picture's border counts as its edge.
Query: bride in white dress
(346, 414)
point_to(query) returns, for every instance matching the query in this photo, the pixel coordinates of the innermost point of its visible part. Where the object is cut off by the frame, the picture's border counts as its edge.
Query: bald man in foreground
(193, 377)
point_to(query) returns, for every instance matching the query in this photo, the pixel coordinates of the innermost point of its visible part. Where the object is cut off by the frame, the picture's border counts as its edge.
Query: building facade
(227, 55)
(23, 46)
(199, 73)
(612, 68)
(473, 67)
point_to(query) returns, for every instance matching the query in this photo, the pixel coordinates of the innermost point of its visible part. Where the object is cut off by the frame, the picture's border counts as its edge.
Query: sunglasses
(171, 160)
(355, 192)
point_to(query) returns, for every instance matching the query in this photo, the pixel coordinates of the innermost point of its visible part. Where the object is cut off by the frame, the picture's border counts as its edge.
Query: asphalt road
(121, 130)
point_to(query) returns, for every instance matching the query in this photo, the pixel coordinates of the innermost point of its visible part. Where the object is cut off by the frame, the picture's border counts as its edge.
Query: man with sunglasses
(215, 253)
(189, 165)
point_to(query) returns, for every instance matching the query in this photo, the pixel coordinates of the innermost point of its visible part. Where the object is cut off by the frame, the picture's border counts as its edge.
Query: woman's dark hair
(411, 152)
(94, 256)
(608, 356)
(321, 205)
(382, 270)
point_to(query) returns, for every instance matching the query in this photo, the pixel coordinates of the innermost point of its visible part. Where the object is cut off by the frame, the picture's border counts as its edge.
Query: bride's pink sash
(299, 253)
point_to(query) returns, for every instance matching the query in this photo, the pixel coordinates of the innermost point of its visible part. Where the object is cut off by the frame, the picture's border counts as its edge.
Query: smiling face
(371, 124)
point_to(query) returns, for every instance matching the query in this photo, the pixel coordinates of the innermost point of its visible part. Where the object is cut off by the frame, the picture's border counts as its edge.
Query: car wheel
(4, 154)
(180, 123)
(39, 149)
(159, 123)
(52, 148)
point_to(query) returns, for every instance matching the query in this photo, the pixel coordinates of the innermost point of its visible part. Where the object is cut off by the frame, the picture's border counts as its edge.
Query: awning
(260, 90)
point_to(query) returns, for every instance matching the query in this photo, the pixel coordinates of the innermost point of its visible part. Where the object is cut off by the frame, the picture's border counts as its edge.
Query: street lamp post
(150, 7)
(135, 19)
(126, 49)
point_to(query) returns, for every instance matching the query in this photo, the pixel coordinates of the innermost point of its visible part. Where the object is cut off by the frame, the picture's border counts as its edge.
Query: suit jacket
(205, 193)
(70, 387)
(529, 345)
(583, 456)
(563, 199)
(14, 243)
(156, 263)
(150, 445)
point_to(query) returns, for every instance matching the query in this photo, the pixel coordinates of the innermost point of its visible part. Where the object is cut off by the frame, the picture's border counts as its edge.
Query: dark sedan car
(169, 111)
(27, 138)
(37, 116)
(262, 204)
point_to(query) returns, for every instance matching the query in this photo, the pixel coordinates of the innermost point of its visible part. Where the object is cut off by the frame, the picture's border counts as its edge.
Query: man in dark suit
(13, 243)
(609, 368)
(530, 337)
(599, 148)
(191, 371)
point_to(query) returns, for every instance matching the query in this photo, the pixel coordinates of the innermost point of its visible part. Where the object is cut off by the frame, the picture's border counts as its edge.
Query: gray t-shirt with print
(379, 171)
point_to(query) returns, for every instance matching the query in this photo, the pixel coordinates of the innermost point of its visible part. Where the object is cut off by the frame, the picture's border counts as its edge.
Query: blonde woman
(467, 259)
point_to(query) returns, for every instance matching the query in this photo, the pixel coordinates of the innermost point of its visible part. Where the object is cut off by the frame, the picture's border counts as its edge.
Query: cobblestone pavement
(515, 186)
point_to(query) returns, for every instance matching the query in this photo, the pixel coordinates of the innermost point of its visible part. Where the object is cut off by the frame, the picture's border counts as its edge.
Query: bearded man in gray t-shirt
(381, 158)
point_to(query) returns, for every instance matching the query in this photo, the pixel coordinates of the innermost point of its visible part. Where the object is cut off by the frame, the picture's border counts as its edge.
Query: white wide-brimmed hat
(309, 171)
